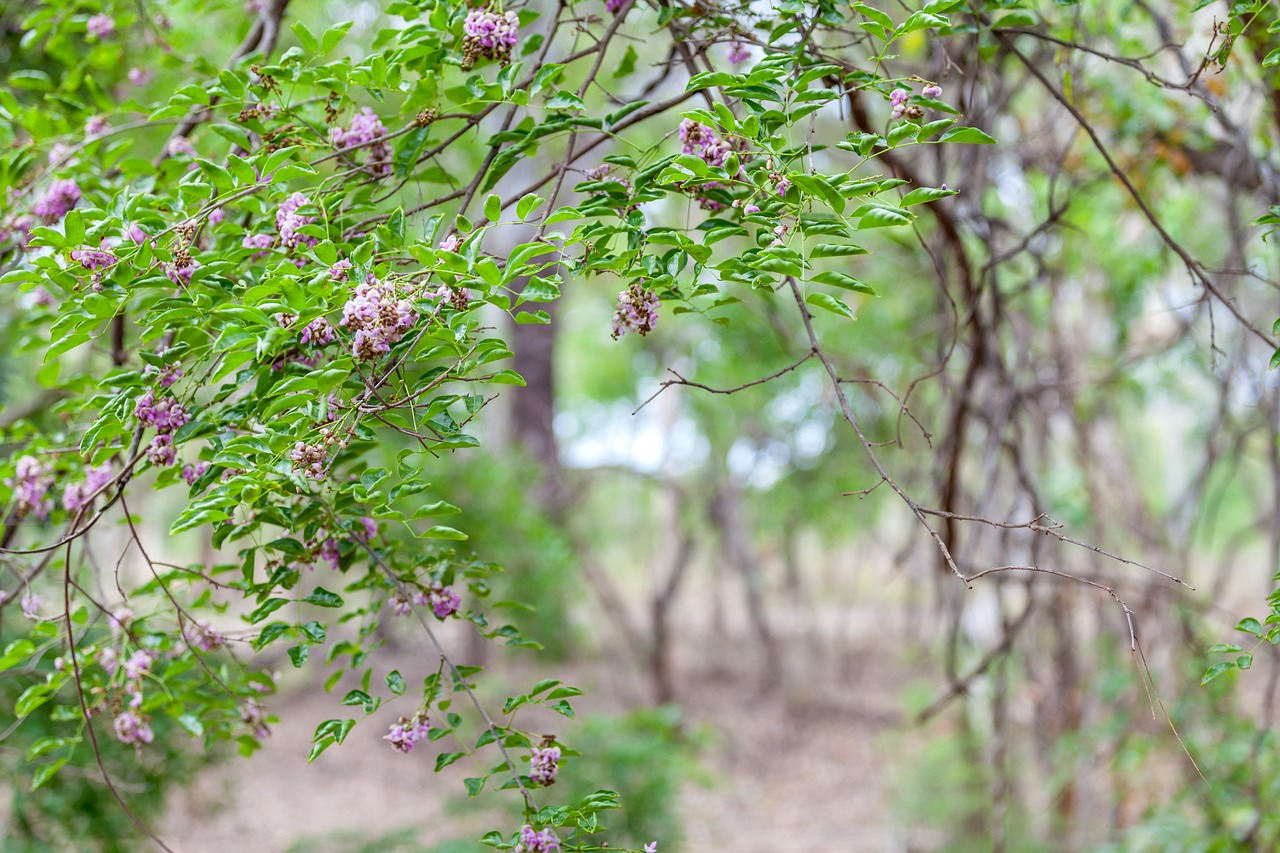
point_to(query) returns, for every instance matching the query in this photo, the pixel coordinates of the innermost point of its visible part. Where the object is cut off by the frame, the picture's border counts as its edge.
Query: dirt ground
(794, 770)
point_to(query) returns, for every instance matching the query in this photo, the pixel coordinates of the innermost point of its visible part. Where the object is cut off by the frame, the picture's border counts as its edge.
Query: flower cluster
(537, 841)
(738, 54)
(288, 221)
(378, 317)
(255, 717)
(310, 459)
(101, 26)
(544, 765)
(191, 473)
(59, 198)
(92, 259)
(132, 728)
(31, 482)
(78, 495)
(167, 415)
(898, 99)
(96, 126)
(202, 636)
(366, 130)
(488, 35)
(637, 311)
(340, 270)
(404, 734)
(165, 376)
(319, 333)
(441, 598)
(614, 6)
(701, 141)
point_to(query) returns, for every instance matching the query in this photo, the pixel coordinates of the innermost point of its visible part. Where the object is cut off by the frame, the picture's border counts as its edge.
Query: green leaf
(444, 759)
(527, 204)
(1216, 670)
(395, 682)
(322, 597)
(305, 36)
(493, 208)
(836, 250)
(271, 605)
(920, 195)
(45, 772)
(1251, 626)
(442, 532)
(830, 303)
(628, 62)
(969, 135)
(839, 279)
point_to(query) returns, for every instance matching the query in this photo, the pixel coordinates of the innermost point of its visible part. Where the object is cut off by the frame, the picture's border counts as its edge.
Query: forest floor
(801, 768)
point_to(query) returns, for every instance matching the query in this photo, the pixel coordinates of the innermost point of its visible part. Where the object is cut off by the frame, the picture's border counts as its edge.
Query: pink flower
(339, 270)
(544, 765)
(191, 473)
(92, 259)
(217, 215)
(738, 54)
(637, 311)
(140, 76)
(133, 730)
(97, 125)
(80, 494)
(488, 35)
(288, 221)
(180, 145)
(181, 275)
(31, 604)
(933, 91)
(57, 200)
(751, 208)
(451, 243)
(136, 234)
(31, 482)
(101, 26)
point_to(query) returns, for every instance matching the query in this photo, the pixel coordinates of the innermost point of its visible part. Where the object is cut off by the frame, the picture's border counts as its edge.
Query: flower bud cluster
(489, 35)
(366, 130)
(378, 317)
(60, 197)
(637, 311)
(537, 841)
(167, 415)
(288, 221)
(78, 495)
(309, 459)
(544, 765)
(31, 482)
(201, 636)
(404, 734)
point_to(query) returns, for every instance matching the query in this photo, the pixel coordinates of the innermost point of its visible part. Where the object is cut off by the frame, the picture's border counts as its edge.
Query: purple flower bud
(933, 91)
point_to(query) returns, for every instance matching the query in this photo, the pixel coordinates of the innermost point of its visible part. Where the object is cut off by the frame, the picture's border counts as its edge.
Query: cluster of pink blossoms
(442, 600)
(191, 473)
(537, 841)
(78, 495)
(96, 126)
(378, 318)
(366, 130)
(309, 459)
(202, 636)
(59, 198)
(31, 482)
(92, 259)
(488, 35)
(898, 101)
(404, 734)
(701, 141)
(165, 376)
(167, 415)
(544, 765)
(738, 54)
(637, 311)
(101, 26)
(132, 728)
(288, 221)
